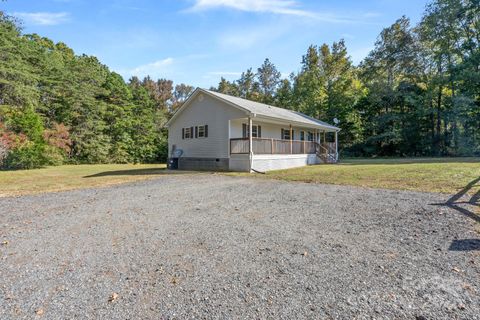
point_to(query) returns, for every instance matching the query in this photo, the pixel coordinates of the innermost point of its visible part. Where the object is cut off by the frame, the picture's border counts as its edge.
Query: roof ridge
(250, 104)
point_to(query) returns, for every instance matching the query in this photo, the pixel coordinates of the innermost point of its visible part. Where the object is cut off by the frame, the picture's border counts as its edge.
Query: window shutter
(191, 132)
(244, 130)
(293, 135)
(196, 132)
(281, 134)
(259, 131)
(183, 133)
(206, 131)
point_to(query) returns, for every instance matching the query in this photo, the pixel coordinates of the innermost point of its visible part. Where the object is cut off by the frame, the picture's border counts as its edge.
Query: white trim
(191, 98)
(250, 141)
(276, 120)
(229, 137)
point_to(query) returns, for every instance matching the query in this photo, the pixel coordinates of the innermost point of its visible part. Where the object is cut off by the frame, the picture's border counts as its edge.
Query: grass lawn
(446, 175)
(73, 177)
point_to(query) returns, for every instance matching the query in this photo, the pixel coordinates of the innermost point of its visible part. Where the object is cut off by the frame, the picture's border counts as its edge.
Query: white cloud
(281, 7)
(43, 18)
(286, 7)
(248, 38)
(155, 69)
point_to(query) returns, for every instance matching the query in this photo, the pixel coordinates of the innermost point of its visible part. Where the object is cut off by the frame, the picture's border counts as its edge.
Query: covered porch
(274, 137)
(273, 144)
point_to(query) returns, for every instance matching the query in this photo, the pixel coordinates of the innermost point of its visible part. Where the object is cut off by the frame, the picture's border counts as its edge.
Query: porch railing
(272, 146)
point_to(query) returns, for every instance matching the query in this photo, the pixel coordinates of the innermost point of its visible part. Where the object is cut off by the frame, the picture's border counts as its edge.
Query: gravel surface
(216, 247)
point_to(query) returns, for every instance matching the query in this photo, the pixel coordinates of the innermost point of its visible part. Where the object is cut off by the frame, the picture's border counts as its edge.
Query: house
(214, 131)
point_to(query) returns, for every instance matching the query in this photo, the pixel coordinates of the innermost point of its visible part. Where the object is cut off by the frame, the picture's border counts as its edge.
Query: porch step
(327, 157)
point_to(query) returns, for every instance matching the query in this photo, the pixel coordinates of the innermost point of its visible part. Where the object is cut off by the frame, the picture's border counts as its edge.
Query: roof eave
(298, 123)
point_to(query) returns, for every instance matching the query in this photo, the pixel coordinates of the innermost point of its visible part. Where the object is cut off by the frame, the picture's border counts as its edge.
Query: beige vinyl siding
(204, 110)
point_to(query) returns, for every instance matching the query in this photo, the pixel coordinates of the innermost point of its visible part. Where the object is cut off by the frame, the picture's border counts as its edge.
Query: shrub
(27, 156)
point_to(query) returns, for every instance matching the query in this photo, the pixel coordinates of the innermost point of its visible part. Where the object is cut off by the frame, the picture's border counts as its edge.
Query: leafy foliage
(416, 93)
(58, 107)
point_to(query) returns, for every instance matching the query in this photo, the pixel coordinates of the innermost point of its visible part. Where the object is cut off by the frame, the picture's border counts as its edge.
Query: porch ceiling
(264, 119)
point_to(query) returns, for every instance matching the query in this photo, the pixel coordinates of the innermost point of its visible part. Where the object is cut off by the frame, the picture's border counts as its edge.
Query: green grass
(70, 177)
(445, 175)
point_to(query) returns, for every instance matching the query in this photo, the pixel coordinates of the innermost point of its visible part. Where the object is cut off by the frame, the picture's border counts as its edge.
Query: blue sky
(198, 41)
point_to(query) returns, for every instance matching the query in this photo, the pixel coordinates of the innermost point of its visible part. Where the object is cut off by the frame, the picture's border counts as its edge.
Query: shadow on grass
(474, 200)
(136, 172)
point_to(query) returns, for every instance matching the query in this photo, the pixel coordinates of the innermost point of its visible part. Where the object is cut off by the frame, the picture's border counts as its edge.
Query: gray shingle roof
(266, 110)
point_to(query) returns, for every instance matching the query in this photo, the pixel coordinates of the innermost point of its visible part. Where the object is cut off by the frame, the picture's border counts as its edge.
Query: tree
(268, 79)
(181, 93)
(247, 85)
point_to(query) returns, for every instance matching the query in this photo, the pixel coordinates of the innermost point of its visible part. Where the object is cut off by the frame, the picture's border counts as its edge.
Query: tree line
(417, 93)
(58, 107)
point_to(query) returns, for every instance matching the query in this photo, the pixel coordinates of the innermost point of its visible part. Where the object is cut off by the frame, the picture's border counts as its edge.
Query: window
(286, 134)
(195, 132)
(302, 135)
(187, 133)
(256, 131)
(310, 136)
(201, 131)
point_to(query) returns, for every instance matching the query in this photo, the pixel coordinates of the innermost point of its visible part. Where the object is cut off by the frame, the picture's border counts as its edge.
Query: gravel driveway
(215, 247)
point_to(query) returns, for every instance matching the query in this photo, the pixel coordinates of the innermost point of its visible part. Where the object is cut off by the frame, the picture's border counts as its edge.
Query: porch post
(250, 138)
(336, 145)
(291, 140)
(250, 142)
(304, 139)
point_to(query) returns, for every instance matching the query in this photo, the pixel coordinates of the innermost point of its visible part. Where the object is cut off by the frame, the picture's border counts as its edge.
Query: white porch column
(291, 139)
(336, 145)
(250, 141)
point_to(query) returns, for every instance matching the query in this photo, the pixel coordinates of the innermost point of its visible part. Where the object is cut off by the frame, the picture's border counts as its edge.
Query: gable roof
(261, 110)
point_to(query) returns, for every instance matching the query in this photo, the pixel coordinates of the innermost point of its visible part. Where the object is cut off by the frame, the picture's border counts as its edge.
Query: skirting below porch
(267, 162)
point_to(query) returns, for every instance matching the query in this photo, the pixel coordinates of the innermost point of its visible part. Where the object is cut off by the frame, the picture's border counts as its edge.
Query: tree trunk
(432, 127)
(439, 120)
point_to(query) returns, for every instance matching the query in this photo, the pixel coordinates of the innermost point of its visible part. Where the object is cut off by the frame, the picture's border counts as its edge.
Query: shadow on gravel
(136, 172)
(465, 245)
(454, 202)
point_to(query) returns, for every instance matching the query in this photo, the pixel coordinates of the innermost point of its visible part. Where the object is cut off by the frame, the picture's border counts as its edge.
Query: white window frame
(201, 131)
(187, 132)
(286, 132)
(254, 131)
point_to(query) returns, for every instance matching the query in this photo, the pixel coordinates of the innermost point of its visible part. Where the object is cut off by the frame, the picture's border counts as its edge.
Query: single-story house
(214, 131)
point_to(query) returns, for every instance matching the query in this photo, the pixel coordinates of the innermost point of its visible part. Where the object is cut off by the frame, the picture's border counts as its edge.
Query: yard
(220, 247)
(70, 177)
(446, 175)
